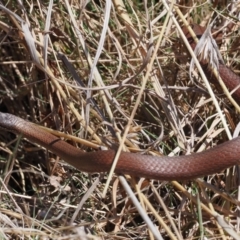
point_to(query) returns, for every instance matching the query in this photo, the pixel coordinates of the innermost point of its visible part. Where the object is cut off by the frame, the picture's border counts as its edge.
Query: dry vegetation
(43, 199)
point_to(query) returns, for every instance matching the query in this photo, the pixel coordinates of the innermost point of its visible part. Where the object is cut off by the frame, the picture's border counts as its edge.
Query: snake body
(153, 167)
(162, 168)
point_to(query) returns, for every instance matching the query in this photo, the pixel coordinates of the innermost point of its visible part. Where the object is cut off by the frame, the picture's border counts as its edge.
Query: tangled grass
(113, 74)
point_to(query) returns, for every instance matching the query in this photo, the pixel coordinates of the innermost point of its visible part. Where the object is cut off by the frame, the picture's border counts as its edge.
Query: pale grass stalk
(199, 68)
(97, 76)
(140, 209)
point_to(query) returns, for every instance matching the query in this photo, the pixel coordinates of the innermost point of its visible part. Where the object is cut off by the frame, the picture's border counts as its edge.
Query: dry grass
(51, 200)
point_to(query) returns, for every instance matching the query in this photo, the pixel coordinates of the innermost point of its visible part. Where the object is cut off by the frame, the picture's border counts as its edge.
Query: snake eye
(199, 36)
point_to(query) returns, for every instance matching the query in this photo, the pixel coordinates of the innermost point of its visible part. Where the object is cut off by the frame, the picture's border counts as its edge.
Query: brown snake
(161, 168)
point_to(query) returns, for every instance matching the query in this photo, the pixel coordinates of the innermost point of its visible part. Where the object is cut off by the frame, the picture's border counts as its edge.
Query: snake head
(8, 122)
